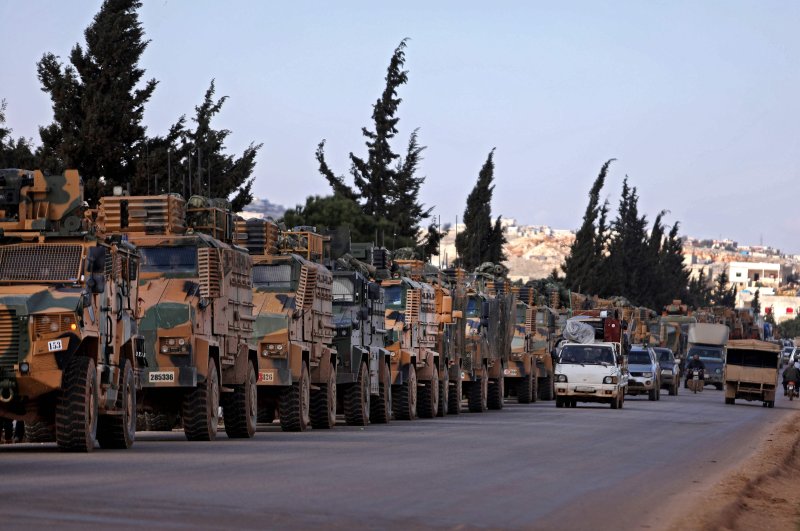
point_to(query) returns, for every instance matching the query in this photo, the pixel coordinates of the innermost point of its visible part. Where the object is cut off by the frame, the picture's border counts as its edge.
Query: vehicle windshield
(273, 276)
(394, 297)
(473, 307)
(639, 357)
(181, 260)
(706, 352)
(586, 354)
(665, 356)
(343, 290)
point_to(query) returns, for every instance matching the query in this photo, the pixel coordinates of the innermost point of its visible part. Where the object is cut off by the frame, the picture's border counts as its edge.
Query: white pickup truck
(590, 372)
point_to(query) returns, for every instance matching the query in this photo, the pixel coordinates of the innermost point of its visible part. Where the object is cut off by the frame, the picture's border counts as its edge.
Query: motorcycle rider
(791, 374)
(695, 363)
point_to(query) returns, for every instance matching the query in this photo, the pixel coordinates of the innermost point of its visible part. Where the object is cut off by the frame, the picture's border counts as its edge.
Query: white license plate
(511, 372)
(266, 376)
(54, 345)
(161, 376)
(582, 389)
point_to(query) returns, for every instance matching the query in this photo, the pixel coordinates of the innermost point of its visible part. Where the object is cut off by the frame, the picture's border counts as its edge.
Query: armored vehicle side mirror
(458, 314)
(373, 291)
(96, 284)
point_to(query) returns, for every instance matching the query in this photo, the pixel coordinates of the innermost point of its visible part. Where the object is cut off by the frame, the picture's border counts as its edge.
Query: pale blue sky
(698, 101)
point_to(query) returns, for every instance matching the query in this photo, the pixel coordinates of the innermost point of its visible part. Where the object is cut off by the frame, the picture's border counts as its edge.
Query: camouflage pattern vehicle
(364, 365)
(68, 303)
(294, 329)
(489, 318)
(672, 328)
(521, 373)
(196, 290)
(544, 337)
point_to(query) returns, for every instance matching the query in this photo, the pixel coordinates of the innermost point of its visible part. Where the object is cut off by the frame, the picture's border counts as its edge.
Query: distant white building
(746, 274)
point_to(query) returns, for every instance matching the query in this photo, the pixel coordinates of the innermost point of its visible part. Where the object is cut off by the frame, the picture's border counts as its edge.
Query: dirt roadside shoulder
(760, 493)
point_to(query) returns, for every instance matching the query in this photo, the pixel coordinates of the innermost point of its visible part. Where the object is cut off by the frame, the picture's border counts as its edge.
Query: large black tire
(294, 404)
(444, 393)
(200, 410)
(119, 431)
(40, 432)
(159, 421)
(428, 396)
(652, 395)
(323, 403)
(718, 386)
(76, 408)
(546, 391)
(266, 414)
(357, 400)
(496, 392)
(477, 394)
(454, 396)
(404, 397)
(381, 408)
(730, 401)
(240, 407)
(525, 389)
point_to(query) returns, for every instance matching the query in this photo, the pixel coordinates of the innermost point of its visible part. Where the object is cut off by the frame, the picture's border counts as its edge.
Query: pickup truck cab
(590, 372)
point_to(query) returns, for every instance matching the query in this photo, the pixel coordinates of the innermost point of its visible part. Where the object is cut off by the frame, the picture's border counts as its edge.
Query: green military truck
(68, 305)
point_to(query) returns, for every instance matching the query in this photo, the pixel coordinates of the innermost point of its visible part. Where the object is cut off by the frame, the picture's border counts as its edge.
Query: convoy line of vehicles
(170, 312)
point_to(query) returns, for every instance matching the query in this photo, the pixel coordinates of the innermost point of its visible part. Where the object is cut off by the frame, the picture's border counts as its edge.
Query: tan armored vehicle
(521, 373)
(68, 334)
(195, 289)
(751, 371)
(294, 330)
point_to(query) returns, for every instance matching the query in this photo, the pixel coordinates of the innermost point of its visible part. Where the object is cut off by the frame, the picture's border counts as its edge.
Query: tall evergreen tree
(98, 102)
(14, 152)
(385, 184)
(699, 293)
(755, 304)
(481, 241)
(581, 264)
(672, 271)
(721, 294)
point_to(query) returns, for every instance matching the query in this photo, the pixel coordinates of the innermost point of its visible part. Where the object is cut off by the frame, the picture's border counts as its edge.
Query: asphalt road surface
(532, 467)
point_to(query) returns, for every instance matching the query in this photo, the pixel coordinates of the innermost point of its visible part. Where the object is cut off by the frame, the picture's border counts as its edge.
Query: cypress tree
(672, 270)
(14, 153)
(98, 103)
(755, 304)
(721, 294)
(581, 264)
(480, 241)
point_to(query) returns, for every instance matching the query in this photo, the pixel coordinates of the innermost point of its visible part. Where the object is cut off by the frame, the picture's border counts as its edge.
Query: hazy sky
(698, 101)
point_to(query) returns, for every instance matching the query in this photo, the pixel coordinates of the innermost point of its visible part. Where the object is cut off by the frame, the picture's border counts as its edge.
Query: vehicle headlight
(718, 371)
(54, 323)
(647, 374)
(610, 380)
(561, 378)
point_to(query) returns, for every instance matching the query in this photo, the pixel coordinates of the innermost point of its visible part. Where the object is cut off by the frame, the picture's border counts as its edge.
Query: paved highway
(523, 467)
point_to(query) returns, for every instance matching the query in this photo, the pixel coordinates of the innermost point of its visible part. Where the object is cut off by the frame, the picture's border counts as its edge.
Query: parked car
(645, 373)
(670, 370)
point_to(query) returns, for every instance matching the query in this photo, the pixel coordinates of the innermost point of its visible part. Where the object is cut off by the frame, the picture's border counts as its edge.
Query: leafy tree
(384, 183)
(433, 238)
(790, 328)
(581, 264)
(699, 294)
(98, 103)
(481, 241)
(333, 211)
(721, 294)
(14, 153)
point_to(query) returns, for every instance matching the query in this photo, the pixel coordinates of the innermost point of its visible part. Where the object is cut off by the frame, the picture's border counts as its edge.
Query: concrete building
(747, 274)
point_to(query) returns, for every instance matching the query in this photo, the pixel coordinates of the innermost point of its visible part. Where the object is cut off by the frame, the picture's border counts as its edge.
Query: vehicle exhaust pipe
(6, 395)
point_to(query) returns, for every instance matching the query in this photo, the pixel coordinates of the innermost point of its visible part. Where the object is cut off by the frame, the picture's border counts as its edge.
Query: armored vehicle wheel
(119, 431)
(444, 393)
(158, 421)
(495, 393)
(240, 408)
(652, 395)
(404, 397)
(524, 389)
(201, 407)
(454, 396)
(428, 396)
(76, 409)
(546, 391)
(294, 404)
(141, 422)
(477, 394)
(323, 404)
(730, 400)
(40, 432)
(357, 399)
(381, 409)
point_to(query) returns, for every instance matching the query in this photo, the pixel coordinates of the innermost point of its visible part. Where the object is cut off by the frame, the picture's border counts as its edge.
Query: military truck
(294, 331)
(521, 373)
(68, 304)
(751, 371)
(196, 288)
(364, 365)
(544, 337)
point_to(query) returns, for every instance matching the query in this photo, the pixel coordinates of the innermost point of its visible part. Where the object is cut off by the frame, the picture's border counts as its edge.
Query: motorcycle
(792, 390)
(695, 380)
